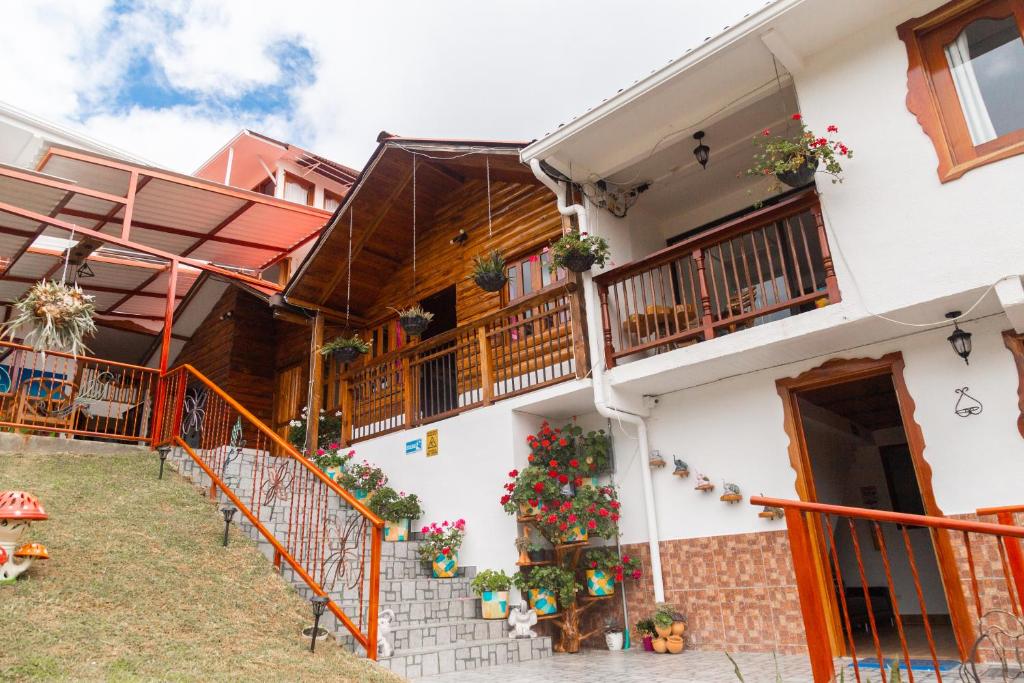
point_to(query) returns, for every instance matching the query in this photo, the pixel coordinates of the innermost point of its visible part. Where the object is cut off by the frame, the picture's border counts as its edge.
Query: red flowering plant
(593, 510)
(530, 487)
(441, 539)
(574, 451)
(785, 154)
(609, 561)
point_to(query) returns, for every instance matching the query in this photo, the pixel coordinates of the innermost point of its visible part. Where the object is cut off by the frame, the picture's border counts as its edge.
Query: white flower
(337, 413)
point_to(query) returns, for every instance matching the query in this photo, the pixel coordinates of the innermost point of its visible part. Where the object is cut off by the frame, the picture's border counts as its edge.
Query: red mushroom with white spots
(18, 510)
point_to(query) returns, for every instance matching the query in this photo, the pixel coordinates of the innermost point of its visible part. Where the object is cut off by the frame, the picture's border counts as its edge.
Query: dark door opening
(859, 457)
(438, 374)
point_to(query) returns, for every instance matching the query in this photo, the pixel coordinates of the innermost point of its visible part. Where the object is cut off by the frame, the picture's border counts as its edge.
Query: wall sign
(432, 443)
(414, 446)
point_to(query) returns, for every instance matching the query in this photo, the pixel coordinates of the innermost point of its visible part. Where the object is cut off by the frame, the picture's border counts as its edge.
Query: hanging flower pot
(801, 175)
(489, 271)
(578, 252)
(414, 320)
(345, 349)
(575, 534)
(794, 158)
(58, 316)
(579, 262)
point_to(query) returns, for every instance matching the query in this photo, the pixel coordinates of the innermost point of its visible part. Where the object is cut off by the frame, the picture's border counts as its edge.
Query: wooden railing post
(1014, 557)
(486, 366)
(812, 605)
(578, 324)
(314, 397)
(831, 283)
(409, 389)
(347, 402)
(705, 296)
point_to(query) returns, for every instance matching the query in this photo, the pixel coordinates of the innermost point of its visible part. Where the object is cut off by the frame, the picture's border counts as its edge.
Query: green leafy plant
(644, 627)
(58, 316)
(441, 539)
(489, 270)
(594, 510)
(328, 431)
(664, 616)
(332, 456)
(560, 581)
(491, 580)
(530, 486)
(338, 343)
(575, 245)
(788, 153)
(363, 476)
(393, 505)
(609, 561)
(414, 311)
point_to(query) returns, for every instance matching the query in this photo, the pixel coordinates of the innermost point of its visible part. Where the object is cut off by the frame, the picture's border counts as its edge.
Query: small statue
(731, 493)
(682, 470)
(384, 622)
(704, 483)
(18, 510)
(655, 459)
(522, 620)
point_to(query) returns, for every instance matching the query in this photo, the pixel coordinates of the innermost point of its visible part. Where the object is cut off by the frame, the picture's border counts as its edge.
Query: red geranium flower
(574, 463)
(567, 505)
(591, 524)
(446, 550)
(532, 501)
(614, 504)
(505, 499)
(562, 442)
(796, 117)
(553, 464)
(603, 512)
(544, 507)
(766, 132)
(514, 473)
(552, 519)
(636, 574)
(563, 479)
(563, 526)
(529, 458)
(625, 559)
(539, 487)
(615, 518)
(571, 518)
(832, 129)
(553, 473)
(545, 443)
(593, 565)
(578, 481)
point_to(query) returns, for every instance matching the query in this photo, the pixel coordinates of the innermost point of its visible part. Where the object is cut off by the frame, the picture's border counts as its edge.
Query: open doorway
(438, 376)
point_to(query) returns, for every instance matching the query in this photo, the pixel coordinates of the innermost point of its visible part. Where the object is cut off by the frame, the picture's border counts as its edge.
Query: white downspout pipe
(597, 372)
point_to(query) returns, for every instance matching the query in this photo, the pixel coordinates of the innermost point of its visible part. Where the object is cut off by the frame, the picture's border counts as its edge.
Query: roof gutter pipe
(597, 368)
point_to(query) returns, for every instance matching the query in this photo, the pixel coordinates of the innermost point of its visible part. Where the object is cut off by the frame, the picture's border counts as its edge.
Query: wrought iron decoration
(967, 405)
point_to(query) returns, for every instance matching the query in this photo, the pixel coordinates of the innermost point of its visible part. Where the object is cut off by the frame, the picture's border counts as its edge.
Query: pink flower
(832, 129)
(425, 530)
(766, 132)
(636, 574)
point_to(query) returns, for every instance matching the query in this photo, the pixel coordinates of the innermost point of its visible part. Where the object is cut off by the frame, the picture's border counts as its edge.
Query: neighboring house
(795, 344)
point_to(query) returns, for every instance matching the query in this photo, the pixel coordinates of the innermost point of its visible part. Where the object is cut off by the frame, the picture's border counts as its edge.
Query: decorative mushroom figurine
(18, 510)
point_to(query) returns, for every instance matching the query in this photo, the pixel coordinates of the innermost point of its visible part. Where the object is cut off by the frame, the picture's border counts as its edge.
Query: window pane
(528, 275)
(513, 283)
(331, 202)
(986, 62)
(545, 271)
(294, 192)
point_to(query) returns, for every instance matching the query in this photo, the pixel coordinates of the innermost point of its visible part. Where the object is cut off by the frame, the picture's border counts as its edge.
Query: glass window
(298, 190)
(331, 201)
(530, 273)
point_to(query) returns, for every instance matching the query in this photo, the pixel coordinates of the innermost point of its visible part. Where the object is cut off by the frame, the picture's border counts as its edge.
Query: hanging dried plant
(59, 317)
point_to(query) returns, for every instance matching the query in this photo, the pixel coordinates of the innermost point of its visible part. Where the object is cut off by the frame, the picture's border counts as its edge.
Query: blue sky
(172, 80)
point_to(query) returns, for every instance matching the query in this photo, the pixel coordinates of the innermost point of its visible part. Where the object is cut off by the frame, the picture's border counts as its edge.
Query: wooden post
(812, 605)
(316, 340)
(705, 296)
(408, 389)
(486, 368)
(578, 321)
(1014, 556)
(346, 411)
(831, 283)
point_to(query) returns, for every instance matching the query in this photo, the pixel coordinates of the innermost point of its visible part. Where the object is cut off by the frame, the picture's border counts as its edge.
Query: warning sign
(431, 443)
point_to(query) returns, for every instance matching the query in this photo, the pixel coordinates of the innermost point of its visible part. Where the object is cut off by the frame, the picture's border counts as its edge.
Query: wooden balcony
(532, 344)
(767, 265)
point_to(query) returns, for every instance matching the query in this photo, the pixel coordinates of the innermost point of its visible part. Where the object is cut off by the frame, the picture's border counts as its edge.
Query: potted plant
(489, 271)
(604, 568)
(397, 509)
(363, 480)
(440, 547)
(645, 629)
(492, 587)
(58, 316)
(345, 349)
(794, 159)
(663, 621)
(332, 461)
(613, 635)
(538, 552)
(591, 512)
(547, 587)
(328, 432)
(526, 489)
(414, 320)
(577, 251)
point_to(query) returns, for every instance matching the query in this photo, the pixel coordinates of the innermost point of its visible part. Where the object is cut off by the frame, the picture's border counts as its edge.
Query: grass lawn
(140, 588)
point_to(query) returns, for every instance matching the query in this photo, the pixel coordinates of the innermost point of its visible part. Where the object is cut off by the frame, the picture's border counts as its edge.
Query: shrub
(490, 580)
(395, 505)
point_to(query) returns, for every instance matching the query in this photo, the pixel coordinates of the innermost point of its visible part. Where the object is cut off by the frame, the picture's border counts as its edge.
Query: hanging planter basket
(58, 316)
(346, 354)
(414, 325)
(579, 262)
(345, 349)
(490, 282)
(802, 175)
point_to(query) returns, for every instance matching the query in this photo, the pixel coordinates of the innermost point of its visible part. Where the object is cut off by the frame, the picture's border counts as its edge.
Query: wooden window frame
(1015, 343)
(302, 182)
(535, 250)
(334, 195)
(931, 95)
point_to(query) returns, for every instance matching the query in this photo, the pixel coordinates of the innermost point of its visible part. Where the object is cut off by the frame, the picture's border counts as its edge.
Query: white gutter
(597, 371)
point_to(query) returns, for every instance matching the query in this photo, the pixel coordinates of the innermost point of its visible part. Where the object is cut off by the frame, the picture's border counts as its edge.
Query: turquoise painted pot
(396, 531)
(445, 566)
(574, 534)
(334, 472)
(494, 604)
(600, 582)
(542, 601)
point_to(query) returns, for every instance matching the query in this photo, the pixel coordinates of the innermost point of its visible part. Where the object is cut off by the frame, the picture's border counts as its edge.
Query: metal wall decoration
(232, 477)
(193, 414)
(967, 405)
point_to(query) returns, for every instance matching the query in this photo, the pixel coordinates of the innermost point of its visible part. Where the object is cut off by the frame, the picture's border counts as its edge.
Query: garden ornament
(521, 620)
(384, 622)
(18, 510)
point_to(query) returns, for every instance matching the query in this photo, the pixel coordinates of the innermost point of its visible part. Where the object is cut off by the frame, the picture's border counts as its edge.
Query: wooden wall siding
(208, 350)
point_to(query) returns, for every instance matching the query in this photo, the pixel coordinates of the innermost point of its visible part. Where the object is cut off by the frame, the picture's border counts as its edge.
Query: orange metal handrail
(172, 436)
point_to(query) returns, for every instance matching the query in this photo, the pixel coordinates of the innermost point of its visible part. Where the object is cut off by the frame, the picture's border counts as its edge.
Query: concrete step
(417, 636)
(466, 655)
(412, 612)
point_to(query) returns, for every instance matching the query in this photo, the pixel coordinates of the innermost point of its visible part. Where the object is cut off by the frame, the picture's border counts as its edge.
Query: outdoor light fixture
(84, 271)
(959, 340)
(701, 151)
(229, 512)
(319, 603)
(164, 451)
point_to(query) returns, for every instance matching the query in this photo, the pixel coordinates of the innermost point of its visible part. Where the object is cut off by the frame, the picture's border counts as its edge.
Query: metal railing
(769, 264)
(523, 347)
(845, 560)
(331, 541)
(56, 392)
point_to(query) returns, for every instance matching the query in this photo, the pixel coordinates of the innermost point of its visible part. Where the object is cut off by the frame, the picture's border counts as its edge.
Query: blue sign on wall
(414, 446)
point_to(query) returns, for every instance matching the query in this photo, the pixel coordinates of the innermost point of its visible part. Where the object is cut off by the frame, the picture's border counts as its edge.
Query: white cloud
(453, 68)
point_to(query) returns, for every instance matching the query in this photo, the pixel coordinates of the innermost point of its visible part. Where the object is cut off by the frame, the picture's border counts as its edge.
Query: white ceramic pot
(613, 640)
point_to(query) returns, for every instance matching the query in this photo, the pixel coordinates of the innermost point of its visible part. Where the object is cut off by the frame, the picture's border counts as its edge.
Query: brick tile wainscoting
(738, 592)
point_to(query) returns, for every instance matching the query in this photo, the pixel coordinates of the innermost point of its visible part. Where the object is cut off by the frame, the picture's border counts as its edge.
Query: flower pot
(345, 354)
(800, 176)
(413, 325)
(445, 566)
(659, 645)
(363, 496)
(600, 582)
(494, 604)
(674, 644)
(490, 282)
(542, 601)
(574, 534)
(613, 640)
(579, 262)
(648, 642)
(333, 471)
(527, 510)
(537, 555)
(663, 631)
(678, 628)
(396, 531)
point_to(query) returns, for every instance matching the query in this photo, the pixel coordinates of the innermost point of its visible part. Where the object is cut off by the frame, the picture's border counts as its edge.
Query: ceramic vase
(494, 604)
(445, 566)
(660, 646)
(663, 631)
(648, 642)
(613, 640)
(334, 471)
(600, 582)
(396, 531)
(678, 628)
(674, 644)
(542, 600)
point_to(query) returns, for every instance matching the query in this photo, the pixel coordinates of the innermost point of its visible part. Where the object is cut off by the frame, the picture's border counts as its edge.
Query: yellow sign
(431, 443)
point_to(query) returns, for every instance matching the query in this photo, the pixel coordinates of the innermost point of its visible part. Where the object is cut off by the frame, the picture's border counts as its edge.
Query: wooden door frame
(840, 371)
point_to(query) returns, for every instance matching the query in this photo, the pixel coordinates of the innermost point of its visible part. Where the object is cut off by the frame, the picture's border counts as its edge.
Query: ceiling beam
(96, 288)
(212, 235)
(39, 231)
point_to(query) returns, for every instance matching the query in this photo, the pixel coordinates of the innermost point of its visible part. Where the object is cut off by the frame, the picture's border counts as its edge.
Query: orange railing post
(1014, 552)
(812, 606)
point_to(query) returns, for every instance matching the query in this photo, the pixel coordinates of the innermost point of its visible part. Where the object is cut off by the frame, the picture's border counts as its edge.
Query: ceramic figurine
(704, 483)
(656, 460)
(384, 622)
(732, 493)
(522, 620)
(18, 510)
(770, 512)
(682, 470)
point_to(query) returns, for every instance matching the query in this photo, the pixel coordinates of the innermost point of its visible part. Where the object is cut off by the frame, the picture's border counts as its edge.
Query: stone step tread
(465, 644)
(443, 624)
(417, 602)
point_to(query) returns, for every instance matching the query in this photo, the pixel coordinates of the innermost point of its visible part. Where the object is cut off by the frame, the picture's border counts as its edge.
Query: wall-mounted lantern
(959, 340)
(701, 151)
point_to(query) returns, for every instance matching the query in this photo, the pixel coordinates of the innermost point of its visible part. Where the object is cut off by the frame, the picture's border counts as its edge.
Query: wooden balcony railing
(769, 264)
(529, 345)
